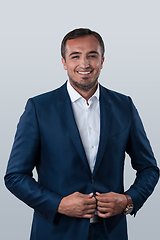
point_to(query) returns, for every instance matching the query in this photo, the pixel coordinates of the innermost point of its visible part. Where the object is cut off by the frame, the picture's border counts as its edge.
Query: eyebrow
(91, 52)
(73, 53)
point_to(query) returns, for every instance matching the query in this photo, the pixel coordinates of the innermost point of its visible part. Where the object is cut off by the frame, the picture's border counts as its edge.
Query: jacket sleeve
(23, 158)
(142, 160)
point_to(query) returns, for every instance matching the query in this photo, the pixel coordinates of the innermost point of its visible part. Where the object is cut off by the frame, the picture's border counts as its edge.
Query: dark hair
(81, 32)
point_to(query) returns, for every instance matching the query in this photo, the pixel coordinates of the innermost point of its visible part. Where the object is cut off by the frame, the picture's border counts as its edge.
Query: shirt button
(92, 146)
(92, 180)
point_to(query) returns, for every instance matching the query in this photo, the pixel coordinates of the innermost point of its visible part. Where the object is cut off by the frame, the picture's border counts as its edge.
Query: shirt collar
(74, 95)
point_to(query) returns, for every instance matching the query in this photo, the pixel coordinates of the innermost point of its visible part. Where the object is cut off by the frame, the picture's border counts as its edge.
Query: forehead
(83, 44)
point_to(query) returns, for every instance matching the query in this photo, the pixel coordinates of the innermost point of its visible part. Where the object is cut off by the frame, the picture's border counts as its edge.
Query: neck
(86, 94)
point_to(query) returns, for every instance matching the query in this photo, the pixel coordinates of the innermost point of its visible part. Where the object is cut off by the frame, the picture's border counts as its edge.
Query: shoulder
(48, 100)
(119, 103)
(113, 96)
(49, 95)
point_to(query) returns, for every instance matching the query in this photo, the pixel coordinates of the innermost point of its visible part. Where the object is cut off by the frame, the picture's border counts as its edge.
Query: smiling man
(83, 61)
(77, 136)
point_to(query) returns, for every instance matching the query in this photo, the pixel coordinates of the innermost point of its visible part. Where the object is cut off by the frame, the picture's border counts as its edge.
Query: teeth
(84, 72)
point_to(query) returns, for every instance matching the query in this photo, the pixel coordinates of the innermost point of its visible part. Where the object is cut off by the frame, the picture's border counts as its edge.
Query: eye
(75, 57)
(92, 56)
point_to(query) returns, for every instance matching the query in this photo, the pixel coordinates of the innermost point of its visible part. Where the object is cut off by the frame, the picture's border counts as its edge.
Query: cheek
(71, 67)
(98, 67)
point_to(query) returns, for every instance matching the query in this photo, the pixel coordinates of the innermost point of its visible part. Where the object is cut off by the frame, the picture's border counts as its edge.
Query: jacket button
(92, 180)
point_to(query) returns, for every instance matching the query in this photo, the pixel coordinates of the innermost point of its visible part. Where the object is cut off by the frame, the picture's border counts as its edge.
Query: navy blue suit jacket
(47, 138)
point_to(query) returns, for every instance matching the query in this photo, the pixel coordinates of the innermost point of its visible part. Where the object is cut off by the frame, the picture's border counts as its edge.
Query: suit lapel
(105, 119)
(66, 113)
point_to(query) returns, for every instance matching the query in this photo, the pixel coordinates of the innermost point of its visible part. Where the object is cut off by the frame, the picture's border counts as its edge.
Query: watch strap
(129, 199)
(129, 207)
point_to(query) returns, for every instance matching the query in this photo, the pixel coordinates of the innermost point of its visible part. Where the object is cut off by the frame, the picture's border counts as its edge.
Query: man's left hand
(110, 204)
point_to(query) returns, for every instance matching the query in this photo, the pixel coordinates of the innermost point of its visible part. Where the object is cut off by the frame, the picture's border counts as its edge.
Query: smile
(84, 73)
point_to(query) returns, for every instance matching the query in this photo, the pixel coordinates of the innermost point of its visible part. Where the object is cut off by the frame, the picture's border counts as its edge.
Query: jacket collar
(66, 112)
(74, 95)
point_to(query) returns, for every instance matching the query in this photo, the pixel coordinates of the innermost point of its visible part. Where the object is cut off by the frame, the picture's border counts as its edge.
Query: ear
(102, 62)
(64, 64)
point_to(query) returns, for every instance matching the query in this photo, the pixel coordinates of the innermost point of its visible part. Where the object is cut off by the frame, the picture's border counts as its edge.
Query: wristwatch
(129, 207)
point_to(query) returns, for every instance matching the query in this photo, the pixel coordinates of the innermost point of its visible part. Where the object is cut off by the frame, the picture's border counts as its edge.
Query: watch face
(128, 209)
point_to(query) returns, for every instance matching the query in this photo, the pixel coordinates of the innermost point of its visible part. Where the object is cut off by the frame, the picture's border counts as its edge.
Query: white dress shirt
(87, 117)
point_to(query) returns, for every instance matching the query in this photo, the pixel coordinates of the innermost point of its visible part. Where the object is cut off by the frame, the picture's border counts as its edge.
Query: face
(83, 62)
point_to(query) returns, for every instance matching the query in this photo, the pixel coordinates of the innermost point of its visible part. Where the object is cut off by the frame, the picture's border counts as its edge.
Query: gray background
(30, 64)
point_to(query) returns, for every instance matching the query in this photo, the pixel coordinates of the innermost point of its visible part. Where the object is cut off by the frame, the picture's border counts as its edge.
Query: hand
(78, 205)
(110, 204)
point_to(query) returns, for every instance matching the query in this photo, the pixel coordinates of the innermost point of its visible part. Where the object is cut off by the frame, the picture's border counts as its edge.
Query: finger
(109, 194)
(104, 204)
(83, 195)
(90, 211)
(103, 209)
(90, 208)
(91, 205)
(101, 194)
(90, 201)
(88, 196)
(103, 198)
(104, 215)
(88, 215)
(91, 195)
(85, 199)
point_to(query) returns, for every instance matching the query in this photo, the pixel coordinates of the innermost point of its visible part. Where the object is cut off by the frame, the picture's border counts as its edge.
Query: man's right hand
(78, 205)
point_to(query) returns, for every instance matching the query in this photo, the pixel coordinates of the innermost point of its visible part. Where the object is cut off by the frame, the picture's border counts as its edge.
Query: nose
(84, 62)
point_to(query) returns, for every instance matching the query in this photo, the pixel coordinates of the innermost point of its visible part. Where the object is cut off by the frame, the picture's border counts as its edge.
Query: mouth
(85, 73)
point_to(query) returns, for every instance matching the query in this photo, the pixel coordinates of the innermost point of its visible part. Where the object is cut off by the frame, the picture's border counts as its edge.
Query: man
(76, 137)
